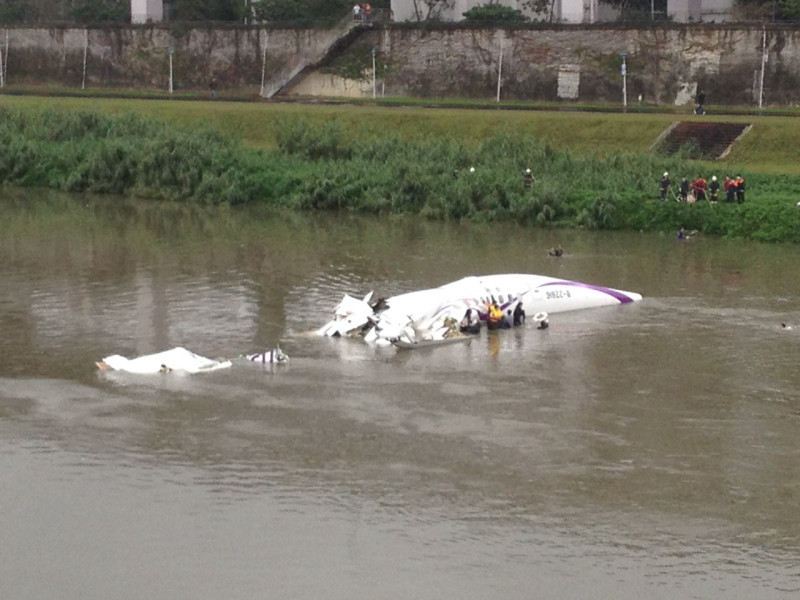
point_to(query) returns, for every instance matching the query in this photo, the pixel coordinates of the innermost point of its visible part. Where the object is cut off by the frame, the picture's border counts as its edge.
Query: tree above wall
(101, 11)
(13, 12)
(788, 10)
(495, 13)
(430, 10)
(301, 11)
(208, 10)
(73, 11)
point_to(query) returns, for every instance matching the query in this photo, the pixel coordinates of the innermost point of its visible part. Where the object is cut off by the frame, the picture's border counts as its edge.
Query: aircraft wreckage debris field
(638, 450)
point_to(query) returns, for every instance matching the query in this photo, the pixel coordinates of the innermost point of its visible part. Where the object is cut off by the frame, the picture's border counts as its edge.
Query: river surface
(641, 451)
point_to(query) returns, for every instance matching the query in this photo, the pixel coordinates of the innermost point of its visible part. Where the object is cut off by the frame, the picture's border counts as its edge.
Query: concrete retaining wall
(664, 65)
(572, 63)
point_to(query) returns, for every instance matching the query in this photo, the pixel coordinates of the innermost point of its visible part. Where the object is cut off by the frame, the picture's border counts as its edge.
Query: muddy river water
(641, 451)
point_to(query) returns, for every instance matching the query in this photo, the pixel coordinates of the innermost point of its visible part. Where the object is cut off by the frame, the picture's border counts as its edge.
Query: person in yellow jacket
(495, 317)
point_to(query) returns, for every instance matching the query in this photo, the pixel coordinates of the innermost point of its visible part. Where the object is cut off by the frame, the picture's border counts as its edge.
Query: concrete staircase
(337, 38)
(705, 140)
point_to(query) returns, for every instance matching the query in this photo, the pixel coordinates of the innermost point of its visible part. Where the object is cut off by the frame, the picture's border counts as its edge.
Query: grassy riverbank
(770, 147)
(593, 170)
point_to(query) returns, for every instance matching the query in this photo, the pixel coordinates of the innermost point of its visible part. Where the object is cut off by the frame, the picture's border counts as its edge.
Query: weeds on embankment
(324, 166)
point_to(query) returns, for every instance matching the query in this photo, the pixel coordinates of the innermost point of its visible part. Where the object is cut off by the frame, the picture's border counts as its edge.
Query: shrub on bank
(320, 167)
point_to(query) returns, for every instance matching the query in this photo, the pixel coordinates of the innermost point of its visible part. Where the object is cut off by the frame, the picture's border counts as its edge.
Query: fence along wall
(665, 65)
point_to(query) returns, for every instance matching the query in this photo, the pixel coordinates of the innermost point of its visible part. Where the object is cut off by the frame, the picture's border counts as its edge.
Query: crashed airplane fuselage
(428, 314)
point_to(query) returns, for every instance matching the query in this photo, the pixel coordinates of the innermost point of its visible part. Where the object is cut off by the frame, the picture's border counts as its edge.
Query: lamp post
(170, 51)
(374, 52)
(624, 70)
(2, 73)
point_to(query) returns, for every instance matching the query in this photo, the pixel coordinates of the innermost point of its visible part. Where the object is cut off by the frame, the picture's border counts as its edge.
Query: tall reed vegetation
(323, 166)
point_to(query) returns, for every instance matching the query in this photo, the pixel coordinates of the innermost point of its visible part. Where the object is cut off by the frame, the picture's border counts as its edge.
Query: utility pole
(374, 52)
(264, 64)
(170, 51)
(85, 54)
(763, 67)
(500, 70)
(624, 70)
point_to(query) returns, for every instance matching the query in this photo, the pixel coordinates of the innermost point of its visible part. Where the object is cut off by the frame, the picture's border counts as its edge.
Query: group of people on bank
(700, 189)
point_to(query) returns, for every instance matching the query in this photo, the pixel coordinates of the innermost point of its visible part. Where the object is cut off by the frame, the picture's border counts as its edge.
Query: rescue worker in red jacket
(699, 187)
(730, 189)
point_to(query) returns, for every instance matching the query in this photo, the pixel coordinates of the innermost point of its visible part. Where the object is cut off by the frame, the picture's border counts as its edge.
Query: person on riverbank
(357, 13)
(739, 183)
(730, 189)
(713, 190)
(664, 185)
(684, 189)
(699, 188)
(527, 179)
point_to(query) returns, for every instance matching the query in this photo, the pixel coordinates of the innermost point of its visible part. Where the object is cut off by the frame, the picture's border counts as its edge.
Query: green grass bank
(592, 169)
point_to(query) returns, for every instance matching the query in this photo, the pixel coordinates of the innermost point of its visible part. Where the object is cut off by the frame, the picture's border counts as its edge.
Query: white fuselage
(421, 315)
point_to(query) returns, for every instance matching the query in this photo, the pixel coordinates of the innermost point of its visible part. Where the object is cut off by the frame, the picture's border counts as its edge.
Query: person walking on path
(701, 101)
